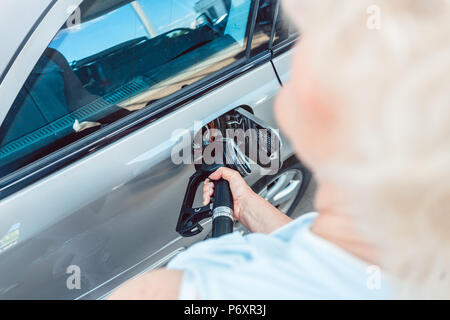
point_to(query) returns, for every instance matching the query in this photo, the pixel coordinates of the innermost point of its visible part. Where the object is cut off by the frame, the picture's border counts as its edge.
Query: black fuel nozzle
(214, 151)
(221, 208)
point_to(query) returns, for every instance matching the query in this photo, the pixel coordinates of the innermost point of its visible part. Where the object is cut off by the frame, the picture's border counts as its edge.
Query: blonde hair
(388, 62)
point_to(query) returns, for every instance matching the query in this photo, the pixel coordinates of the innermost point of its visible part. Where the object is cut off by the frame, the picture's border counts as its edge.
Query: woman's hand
(254, 212)
(239, 189)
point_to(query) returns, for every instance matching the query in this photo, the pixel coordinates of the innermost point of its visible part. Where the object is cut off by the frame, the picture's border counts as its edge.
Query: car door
(89, 196)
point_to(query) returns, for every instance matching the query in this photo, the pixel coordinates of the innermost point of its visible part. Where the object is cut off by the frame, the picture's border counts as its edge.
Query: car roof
(17, 19)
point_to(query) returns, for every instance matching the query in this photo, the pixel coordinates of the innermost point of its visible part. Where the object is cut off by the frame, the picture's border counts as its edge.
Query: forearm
(160, 284)
(260, 216)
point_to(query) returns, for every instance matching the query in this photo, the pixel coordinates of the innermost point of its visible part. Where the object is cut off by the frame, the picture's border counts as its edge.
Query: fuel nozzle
(209, 155)
(222, 209)
(214, 149)
(224, 155)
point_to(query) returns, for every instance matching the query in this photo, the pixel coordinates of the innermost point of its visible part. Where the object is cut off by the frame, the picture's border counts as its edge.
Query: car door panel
(116, 208)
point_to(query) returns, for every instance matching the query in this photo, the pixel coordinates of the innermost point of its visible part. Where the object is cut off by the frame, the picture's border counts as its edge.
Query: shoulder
(290, 263)
(300, 224)
(236, 249)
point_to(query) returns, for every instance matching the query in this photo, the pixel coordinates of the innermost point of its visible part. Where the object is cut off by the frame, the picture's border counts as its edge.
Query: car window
(263, 26)
(284, 29)
(119, 57)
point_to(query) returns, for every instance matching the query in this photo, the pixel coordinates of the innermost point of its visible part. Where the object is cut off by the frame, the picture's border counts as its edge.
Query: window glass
(284, 29)
(263, 26)
(121, 56)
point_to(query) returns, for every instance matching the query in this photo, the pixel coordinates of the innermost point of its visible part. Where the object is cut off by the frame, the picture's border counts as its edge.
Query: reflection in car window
(118, 59)
(284, 29)
(263, 26)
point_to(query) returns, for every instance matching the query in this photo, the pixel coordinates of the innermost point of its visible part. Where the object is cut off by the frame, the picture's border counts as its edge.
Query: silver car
(91, 93)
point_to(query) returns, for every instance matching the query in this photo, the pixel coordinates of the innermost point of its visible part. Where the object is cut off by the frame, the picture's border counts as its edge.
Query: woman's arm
(254, 212)
(261, 216)
(161, 284)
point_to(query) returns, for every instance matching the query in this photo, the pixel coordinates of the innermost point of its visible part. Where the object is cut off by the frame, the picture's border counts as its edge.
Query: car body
(101, 201)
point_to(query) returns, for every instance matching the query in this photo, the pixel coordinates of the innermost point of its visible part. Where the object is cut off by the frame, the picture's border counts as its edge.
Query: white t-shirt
(290, 263)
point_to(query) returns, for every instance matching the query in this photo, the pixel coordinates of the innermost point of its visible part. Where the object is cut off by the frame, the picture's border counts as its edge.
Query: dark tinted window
(122, 56)
(263, 26)
(284, 29)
